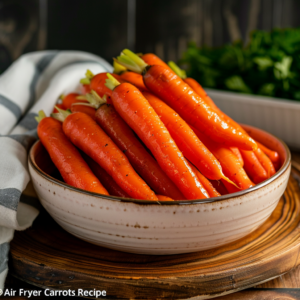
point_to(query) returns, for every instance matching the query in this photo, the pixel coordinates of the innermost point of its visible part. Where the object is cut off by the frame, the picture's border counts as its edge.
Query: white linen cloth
(32, 83)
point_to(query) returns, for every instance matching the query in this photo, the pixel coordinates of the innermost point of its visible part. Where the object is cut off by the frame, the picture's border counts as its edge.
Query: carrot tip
(228, 180)
(179, 72)
(41, 116)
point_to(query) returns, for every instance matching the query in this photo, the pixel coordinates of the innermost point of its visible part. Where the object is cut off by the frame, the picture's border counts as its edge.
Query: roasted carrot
(87, 135)
(151, 59)
(164, 198)
(146, 166)
(265, 162)
(105, 178)
(231, 165)
(273, 155)
(71, 98)
(72, 167)
(141, 117)
(219, 186)
(212, 192)
(84, 109)
(186, 140)
(253, 167)
(261, 160)
(135, 79)
(59, 106)
(178, 95)
(229, 187)
(238, 154)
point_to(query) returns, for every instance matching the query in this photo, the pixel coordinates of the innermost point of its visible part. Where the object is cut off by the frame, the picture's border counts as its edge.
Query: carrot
(205, 182)
(238, 154)
(253, 167)
(71, 98)
(265, 162)
(59, 106)
(186, 140)
(231, 165)
(229, 187)
(85, 89)
(72, 167)
(273, 155)
(97, 83)
(135, 79)
(78, 107)
(141, 117)
(219, 186)
(105, 178)
(86, 134)
(164, 198)
(177, 94)
(193, 84)
(140, 159)
(151, 59)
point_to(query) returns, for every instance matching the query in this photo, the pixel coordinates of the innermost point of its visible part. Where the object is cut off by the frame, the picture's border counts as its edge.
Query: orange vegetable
(84, 109)
(206, 183)
(164, 198)
(69, 99)
(273, 155)
(139, 157)
(186, 140)
(87, 135)
(231, 165)
(238, 154)
(135, 79)
(265, 162)
(141, 117)
(219, 186)
(178, 95)
(59, 106)
(253, 167)
(72, 167)
(105, 178)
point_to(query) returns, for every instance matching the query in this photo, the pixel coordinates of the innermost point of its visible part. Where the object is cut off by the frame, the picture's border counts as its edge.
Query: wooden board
(47, 256)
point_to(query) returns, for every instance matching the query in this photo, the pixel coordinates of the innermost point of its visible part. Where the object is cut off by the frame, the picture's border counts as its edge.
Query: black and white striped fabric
(32, 83)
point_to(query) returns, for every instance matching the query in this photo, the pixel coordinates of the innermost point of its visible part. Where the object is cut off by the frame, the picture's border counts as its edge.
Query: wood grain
(46, 255)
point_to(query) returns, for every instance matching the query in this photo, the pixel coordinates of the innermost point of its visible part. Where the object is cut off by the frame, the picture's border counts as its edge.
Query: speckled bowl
(159, 228)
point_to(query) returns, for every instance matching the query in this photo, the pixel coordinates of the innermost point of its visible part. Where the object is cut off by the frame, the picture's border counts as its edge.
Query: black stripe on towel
(29, 122)
(4, 250)
(10, 105)
(9, 198)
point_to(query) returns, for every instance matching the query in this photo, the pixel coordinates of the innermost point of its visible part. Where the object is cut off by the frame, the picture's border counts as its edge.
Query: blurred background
(107, 26)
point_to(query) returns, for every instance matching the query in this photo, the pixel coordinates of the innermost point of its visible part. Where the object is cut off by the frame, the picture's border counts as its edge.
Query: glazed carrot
(178, 95)
(212, 192)
(135, 79)
(86, 134)
(253, 167)
(238, 154)
(261, 161)
(265, 162)
(85, 89)
(273, 155)
(230, 163)
(69, 99)
(72, 167)
(164, 198)
(59, 106)
(105, 178)
(219, 186)
(186, 140)
(141, 117)
(84, 109)
(97, 83)
(146, 166)
(151, 59)
(229, 187)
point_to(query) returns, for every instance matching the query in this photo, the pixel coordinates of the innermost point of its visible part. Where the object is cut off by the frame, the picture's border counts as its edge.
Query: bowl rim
(283, 168)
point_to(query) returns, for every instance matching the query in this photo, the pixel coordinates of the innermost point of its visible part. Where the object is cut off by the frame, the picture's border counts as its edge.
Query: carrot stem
(179, 72)
(111, 82)
(41, 116)
(61, 115)
(118, 69)
(131, 61)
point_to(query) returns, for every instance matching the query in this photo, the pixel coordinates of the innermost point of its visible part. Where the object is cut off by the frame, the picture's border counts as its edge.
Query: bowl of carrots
(143, 161)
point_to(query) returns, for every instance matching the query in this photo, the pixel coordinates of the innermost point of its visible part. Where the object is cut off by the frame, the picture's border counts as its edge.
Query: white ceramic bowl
(149, 227)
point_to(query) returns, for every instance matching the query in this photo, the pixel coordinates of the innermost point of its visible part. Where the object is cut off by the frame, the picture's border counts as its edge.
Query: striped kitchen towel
(32, 83)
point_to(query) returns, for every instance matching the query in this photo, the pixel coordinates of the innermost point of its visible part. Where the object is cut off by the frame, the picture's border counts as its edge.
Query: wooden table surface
(285, 287)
